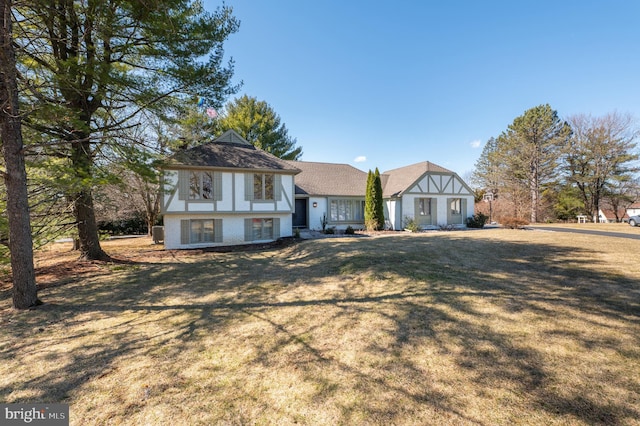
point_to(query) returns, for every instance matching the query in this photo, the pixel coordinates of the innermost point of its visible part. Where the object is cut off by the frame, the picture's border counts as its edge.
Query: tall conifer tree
(378, 200)
(89, 68)
(370, 204)
(14, 175)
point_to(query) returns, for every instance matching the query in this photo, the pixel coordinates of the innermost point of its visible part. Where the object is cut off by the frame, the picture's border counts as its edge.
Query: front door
(300, 215)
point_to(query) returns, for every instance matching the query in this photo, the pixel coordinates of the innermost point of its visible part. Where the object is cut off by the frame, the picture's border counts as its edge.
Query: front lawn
(465, 327)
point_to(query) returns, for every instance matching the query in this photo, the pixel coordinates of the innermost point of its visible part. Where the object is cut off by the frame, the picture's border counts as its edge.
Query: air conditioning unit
(157, 233)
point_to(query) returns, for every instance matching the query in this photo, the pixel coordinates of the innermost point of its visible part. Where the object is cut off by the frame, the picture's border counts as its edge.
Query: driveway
(586, 231)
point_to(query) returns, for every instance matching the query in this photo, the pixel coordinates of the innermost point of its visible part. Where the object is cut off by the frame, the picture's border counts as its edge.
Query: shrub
(323, 222)
(478, 220)
(349, 230)
(132, 226)
(514, 223)
(331, 230)
(410, 224)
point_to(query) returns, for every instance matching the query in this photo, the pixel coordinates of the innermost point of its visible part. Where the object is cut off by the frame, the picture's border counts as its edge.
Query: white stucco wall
(233, 199)
(633, 211)
(232, 209)
(393, 214)
(315, 213)
(442, 188)
(442, 207)
(232, 229)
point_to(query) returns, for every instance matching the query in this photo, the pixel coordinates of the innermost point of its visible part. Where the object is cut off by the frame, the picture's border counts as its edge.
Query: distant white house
(228, 192)
(633, 209)
(608, 215)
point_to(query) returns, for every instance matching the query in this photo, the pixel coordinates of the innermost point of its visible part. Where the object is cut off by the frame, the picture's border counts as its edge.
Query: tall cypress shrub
(378, 201)
(370, 221)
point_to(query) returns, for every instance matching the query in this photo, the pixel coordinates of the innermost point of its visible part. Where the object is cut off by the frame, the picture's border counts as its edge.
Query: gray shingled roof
(230, 151)
(328, 179)
(395, 181)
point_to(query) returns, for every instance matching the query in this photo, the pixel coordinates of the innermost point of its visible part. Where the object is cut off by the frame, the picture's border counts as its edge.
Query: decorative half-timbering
(218, 193)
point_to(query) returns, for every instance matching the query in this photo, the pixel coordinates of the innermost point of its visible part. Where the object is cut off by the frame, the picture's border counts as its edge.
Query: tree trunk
(15, 177)
(83, 203)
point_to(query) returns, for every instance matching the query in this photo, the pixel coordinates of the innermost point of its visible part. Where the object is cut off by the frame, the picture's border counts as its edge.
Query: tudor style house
(431, 195)
(228, 192)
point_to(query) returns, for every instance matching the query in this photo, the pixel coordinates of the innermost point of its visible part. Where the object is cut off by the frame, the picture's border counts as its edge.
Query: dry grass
(478, 327)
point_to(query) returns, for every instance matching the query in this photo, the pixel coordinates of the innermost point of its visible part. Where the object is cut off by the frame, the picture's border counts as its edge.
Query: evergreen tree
(378, 200)
(529, 151)
(90, 68)
(486, 172)
(258, 123)
(370, 221)
(14, 174)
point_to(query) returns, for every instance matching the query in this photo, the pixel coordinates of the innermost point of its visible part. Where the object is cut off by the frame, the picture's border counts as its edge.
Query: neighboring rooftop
(329, 179)
(397, 180)
(230, 150)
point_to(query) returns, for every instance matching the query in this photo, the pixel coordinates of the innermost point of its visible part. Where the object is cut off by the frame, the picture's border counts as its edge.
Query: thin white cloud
(360, 159)
(476, 143)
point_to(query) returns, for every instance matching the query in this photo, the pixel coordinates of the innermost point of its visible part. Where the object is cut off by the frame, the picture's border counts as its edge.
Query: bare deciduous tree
(601, 155)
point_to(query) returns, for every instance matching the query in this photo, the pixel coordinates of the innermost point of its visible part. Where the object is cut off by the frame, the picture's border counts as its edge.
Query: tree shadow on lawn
(435, 295)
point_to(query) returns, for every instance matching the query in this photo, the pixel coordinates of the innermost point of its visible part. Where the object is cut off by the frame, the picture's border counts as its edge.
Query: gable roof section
(328, 179)
(396, 181)
(230, 151)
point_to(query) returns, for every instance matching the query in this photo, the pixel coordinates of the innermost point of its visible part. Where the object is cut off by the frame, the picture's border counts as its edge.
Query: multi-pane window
(456, 206)
(259, 229)
(262, 229)
(346, 210)
(263, 186)
(201, 231)
(424, 206)
(200, 185)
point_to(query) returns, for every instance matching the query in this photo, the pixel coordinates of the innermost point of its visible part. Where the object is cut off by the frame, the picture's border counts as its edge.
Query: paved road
(587, 231)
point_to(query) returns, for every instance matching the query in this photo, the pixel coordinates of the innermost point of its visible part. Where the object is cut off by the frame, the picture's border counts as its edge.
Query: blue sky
(388, 84)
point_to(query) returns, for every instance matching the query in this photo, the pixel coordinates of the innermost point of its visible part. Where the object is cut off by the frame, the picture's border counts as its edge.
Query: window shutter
(463, 209)
(183, 184)
(217, 230)
(248, 186)
(434, 211)
(276, 228)
(184, 231)
(277, 187)
(217, 186)
(248, 230)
